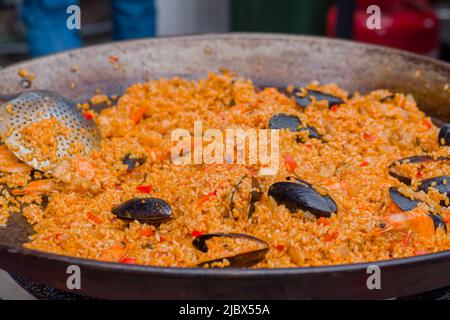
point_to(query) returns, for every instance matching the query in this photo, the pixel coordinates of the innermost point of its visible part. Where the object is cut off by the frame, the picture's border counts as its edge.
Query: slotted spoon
(21, 110)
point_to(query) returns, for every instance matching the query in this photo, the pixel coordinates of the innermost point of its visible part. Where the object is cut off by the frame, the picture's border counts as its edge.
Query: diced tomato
(94, 218)
(147, 232)
(334, 108)
(369, 137)
(419, 174)
(88, 115)
(205, 198)
(364, 164)
(290, 162)
(427, 123)
(279, 247)
(145, 189)
(331, 236)
(197, 233)
(308, 145)
(323, 221)
(128, 260)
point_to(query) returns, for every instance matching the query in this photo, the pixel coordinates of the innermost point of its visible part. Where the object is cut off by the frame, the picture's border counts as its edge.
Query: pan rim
(225, 272)
(232, 36)
(228, 272)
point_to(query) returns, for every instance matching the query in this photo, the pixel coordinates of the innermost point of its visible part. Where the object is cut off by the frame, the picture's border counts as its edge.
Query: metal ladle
(34, 106)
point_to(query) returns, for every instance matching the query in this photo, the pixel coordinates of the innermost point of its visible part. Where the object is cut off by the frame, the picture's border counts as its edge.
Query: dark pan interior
(269, 60)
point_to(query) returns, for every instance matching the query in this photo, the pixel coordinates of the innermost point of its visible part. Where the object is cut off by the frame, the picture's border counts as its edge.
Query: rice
(360, 139)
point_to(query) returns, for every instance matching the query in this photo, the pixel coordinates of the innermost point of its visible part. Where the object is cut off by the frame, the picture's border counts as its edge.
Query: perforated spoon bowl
(29, 107)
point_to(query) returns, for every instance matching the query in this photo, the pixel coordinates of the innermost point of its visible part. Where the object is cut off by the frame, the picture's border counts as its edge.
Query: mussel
(285, 121)
(132, 161)
(414, 159)
(407, 204)
(387, 98)
(403, 202)
(312, 133)
(438, 222)
(241, 260)
(441, 184)
(444, 135)
(293, 123)
(318, 96)
(145, 210)
(301, 195)
(251, 192)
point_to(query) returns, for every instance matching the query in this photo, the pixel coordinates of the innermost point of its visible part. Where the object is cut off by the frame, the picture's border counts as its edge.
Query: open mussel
(441, 184)
(293, 123)
(406, 205)
(301, 195)
(444, 135)
(438, 222)
(415, 159)
(132, 162)
(244, 195)
(402, 201)
(387, 98)
(285, 121)
(145, 210)
(240, 260)
(318, 96)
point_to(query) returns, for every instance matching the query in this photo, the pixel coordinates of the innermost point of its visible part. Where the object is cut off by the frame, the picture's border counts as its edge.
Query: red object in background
(405, 24)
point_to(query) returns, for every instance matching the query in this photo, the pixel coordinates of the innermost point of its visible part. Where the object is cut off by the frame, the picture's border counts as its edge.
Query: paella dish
(359, 178)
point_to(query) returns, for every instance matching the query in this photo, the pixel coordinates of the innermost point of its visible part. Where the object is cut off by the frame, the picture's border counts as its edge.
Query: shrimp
(14, 168)
(417, 220)
(81, 173)
(9, 163)
(36, 187)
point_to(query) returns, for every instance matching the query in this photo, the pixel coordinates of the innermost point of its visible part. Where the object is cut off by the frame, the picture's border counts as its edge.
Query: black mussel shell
(387, 98)
(444, 135)
(406, 204)
(285, 121)
(301, 195)
(254, 195)
(312, 133)
(241, 260)
(303, 101)
(319, 96)
(145, 210)
(403, 202)
(438, 222)
(131, 161)
(441, 184)
(413, 159)
(293, 123)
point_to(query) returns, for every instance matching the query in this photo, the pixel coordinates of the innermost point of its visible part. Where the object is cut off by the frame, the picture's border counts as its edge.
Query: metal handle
(7, 97)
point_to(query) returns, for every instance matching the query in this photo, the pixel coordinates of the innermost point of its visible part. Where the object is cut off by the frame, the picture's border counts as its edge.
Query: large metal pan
(268, 59)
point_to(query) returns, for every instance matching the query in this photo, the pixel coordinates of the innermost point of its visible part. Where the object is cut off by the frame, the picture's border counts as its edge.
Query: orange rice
(360, 139)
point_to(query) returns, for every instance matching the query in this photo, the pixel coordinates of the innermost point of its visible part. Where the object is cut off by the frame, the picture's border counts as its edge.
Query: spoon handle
(7, 97)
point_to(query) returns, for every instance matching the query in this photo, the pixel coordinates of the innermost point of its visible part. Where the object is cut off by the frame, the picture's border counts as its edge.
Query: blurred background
(30, 28)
